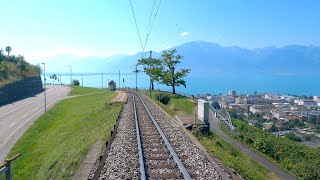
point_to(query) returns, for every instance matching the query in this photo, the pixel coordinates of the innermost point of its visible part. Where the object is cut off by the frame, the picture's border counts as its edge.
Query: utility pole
(60, 79)
(150, 76)
(136, 77)
(82, 80)
(123, 83)
(101, 80)
(44, 87)
(119, 78)
(70, 75)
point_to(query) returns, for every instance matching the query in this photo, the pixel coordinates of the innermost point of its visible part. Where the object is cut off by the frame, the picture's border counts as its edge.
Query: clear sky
(40, 29)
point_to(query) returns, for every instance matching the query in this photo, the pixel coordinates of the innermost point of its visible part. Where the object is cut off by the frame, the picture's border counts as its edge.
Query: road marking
(12, 124)
(35, 109)
(24, 105)
(34, 115)
(25, 115)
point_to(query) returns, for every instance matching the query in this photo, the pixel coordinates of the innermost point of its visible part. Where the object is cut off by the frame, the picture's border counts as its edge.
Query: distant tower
(232, 93)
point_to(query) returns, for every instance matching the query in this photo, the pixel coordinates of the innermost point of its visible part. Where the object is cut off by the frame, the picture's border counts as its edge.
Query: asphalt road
(15, 118)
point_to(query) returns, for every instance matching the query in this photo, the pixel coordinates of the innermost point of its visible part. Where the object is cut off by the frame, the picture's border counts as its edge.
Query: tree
(75, 82)
(293, 137)
(170, 76)
(153, 68)
(232, 113)
(215, 105)
(8, 49)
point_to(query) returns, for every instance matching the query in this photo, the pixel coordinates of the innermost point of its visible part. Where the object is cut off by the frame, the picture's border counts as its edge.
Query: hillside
(200, 56)
(14, 68)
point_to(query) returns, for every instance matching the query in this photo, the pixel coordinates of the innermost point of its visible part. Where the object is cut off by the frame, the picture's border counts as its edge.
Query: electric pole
(44, 87)
(70, 75)
(101, 80)
(82, 79)
(150, 75)
(136, 71)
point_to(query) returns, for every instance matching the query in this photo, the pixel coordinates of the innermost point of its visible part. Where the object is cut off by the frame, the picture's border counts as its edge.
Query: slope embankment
(20, 89)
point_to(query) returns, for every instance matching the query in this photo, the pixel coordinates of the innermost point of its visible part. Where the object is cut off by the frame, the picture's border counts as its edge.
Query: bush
(163, 98)
(76, 82)
(293, 137)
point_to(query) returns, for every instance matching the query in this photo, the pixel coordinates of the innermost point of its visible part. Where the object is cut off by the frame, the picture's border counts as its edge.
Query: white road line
(25, 123)
(23, 105)
(12, 124)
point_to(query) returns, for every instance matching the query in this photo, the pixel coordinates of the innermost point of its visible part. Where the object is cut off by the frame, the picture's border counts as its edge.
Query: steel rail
(141, 161)
(178, 161)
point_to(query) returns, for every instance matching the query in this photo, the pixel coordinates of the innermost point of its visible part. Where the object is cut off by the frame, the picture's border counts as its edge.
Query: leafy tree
(76, 82)
(293, 137)
(152, 68)
(233, 113)
(8, 49)
(170, 75)
(215, 105)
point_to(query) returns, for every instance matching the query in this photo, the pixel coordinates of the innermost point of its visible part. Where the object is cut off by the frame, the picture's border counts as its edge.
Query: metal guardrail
(6, 168)
(227, 120)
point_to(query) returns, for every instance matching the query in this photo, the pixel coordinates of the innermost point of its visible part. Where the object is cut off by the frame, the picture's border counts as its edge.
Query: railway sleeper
(164, 175)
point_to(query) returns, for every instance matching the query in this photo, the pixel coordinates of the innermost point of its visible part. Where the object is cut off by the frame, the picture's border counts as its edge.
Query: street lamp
(44, 87)
(70, 75)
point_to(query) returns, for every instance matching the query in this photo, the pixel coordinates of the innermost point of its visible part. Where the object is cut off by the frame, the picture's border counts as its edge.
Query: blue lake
(213, 85)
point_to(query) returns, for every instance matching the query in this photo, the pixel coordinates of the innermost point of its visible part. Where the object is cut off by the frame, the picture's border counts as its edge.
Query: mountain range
(208, 59)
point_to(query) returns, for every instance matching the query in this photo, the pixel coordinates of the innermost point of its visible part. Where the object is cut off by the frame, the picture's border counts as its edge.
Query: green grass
(247, 167)
(79, 90)
(56, 144)
(178, 105)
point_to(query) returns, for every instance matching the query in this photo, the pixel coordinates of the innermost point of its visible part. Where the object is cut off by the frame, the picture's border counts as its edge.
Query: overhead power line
(154, 11)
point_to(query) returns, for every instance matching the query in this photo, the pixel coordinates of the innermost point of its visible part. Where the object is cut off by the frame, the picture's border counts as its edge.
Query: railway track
(150, 146)
(156, 155)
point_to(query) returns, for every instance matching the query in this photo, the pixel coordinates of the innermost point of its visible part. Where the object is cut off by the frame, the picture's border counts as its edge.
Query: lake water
(213, 85)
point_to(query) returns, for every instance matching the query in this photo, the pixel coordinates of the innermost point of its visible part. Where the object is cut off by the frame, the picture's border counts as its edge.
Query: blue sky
(41, 29)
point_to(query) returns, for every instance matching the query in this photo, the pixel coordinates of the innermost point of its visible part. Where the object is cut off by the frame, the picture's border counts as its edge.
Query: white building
(307, 103)
(232, 93)
(316, 98)
(271, 96)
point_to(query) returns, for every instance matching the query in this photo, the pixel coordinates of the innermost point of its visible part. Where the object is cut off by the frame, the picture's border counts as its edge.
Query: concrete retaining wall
(20, 89)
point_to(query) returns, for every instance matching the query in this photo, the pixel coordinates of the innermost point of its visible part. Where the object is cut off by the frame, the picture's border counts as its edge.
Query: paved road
(15, 118)
(214, 125)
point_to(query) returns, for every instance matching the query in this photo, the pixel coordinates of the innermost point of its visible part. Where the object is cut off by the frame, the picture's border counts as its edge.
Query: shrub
(163, 98)
(76, 82)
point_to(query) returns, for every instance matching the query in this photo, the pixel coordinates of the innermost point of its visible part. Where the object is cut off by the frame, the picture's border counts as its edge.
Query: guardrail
(227, 120)
(6, 168)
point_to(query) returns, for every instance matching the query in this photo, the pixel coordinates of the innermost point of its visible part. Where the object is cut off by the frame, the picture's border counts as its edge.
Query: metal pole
(70, 75)
(119, 78)
(44, 87)
(136, 78)
(82, 79)
(101, 80)
(150, 77)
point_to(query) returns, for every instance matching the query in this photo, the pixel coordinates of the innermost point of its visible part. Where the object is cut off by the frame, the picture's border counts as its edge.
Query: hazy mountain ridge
(206, 58)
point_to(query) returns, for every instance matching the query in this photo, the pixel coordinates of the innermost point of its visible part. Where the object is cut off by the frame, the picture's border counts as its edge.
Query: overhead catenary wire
(154, 12)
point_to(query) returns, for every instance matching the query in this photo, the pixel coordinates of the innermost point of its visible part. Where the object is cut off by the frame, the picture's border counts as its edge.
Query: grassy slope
(78, 90)
(56, 144)
(247, 167)
(178, 105)
(243, 164)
